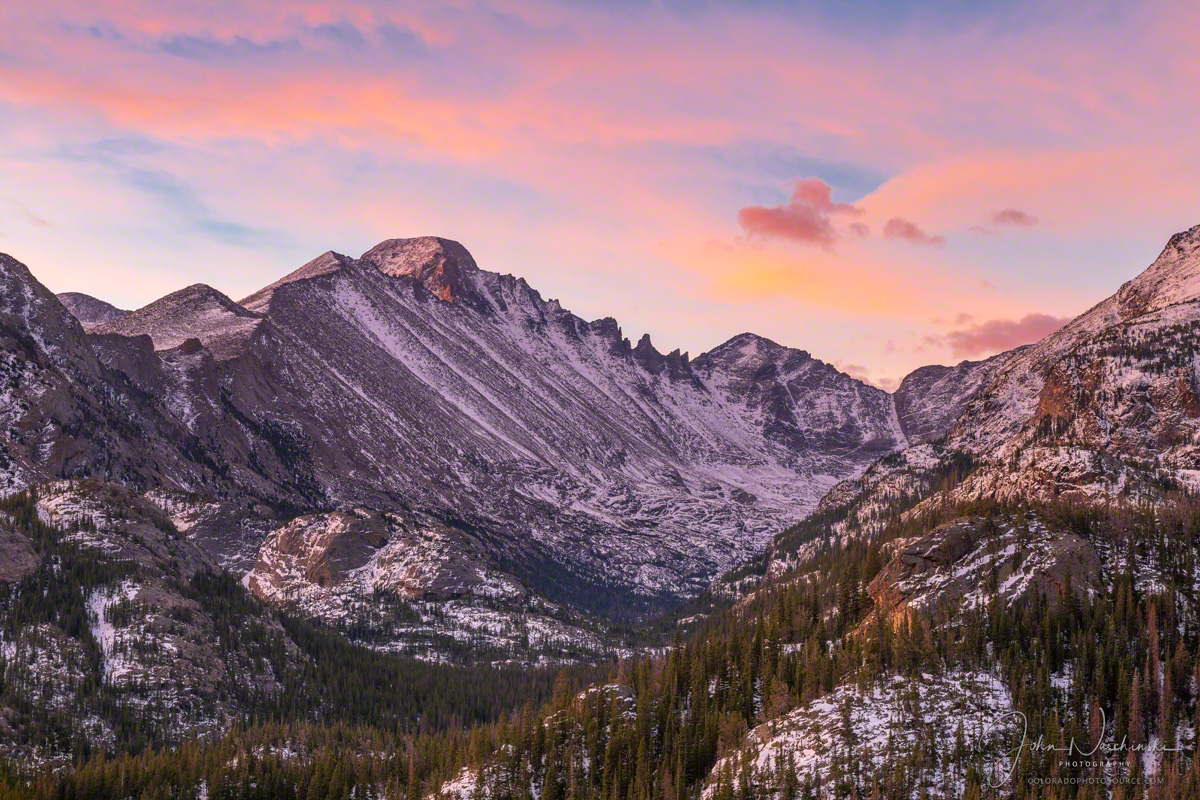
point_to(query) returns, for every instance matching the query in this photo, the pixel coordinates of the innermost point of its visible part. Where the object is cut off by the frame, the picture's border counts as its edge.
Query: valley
(397, 525)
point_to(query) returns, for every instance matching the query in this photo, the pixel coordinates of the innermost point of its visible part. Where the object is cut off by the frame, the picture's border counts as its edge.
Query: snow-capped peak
(327, 263)
(1174, 277)
(747, 349)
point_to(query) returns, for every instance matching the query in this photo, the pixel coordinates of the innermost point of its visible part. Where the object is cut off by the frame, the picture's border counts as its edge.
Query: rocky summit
(600, 474)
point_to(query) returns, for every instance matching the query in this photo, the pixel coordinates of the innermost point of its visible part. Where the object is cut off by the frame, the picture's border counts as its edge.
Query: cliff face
(968, 563)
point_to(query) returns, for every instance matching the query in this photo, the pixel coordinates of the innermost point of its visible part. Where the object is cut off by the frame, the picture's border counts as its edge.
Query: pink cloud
(805, 217)
(997, 335)
(859, 229)
(818, 194)
(900, 228)
(799, 223)
(1014, 216)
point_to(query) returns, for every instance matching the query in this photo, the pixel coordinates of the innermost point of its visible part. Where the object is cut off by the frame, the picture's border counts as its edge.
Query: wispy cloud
(210, 48)
(172, 195)
(20, 211)
(1014, 216)
(900, 228)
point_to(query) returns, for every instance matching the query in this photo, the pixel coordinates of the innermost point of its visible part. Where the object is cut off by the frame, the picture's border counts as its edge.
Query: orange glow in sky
(902, 187)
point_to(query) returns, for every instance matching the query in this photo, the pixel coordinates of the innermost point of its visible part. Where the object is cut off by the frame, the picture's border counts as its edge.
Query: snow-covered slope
(427, 590)
(465, 392)
(197, 312)
(129, 640)
(969, 562)
(410, 381)
(1105, 406)
(931, 399)
(89, 310)
(866, 730)
(1009, 398)
(66, 411)
(1173, 278)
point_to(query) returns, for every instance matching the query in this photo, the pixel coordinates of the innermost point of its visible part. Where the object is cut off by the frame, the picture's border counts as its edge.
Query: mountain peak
(441, 265)
(1184, 239)
(30, 306)
(324, 264)
(1174, 277)
(90, 311)
(748, 339)
(196, 311)
(200, 292)
(751, 346)
(16, 282)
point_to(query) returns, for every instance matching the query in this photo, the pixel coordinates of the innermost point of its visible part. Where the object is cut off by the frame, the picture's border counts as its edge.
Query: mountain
(172, 320)
(240, 517)
(89, 310)
(118, 643)
(1106, 409)
(65, 411)
(929, 400)
(1106, 404)
(465, 394)
(1172, 280)
(595, 473)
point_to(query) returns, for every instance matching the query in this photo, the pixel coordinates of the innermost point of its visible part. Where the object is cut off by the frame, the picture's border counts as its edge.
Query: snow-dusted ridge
(89, 310)
(593, 471)
(411, 381)
(196, 312)
(880, 724)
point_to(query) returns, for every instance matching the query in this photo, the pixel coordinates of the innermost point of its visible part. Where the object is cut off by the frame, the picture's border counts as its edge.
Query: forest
(351, 723)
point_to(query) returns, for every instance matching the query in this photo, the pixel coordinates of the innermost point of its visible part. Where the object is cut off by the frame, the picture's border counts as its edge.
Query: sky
(885, 185)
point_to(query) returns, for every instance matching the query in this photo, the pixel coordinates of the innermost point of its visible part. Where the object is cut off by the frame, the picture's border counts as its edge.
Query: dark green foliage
(355, 721)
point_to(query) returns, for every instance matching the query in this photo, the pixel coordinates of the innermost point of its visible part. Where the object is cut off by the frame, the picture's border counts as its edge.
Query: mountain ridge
(360, 382)
(411, 382)
(197, 311)
(90, 310)
(428, 267)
